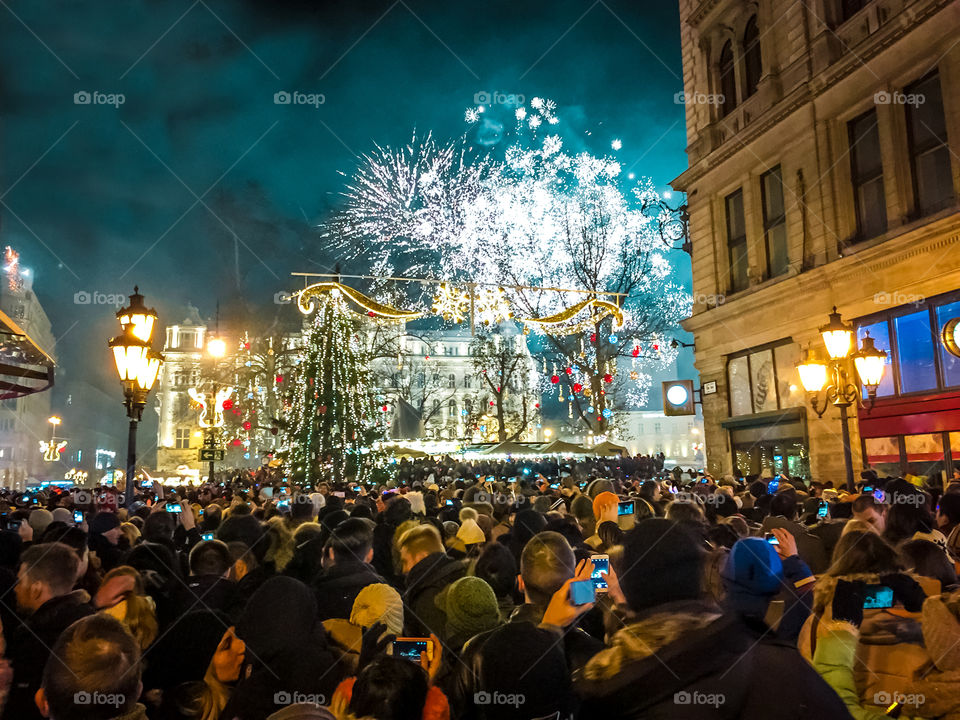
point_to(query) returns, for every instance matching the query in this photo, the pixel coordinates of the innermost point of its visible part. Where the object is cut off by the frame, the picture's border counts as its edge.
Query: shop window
(950, 363)
(867, 176)
(762, 382)
(924, 454)
(929, 152)
(790, 390)
(738, 375)
(880, 332)
(915, 351)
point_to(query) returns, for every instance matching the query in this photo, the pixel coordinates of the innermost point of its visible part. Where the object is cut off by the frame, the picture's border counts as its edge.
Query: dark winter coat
(685, 660)
(338, 586)
(424, 582)
(30, 647)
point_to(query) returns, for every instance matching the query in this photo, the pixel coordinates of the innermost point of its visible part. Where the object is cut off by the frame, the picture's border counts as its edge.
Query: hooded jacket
(687, 660)
(425, 581)
(286, 651)
(890, 651)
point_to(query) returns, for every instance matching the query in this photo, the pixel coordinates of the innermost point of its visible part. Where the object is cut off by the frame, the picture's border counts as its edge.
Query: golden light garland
(603, 309)
(306, 303)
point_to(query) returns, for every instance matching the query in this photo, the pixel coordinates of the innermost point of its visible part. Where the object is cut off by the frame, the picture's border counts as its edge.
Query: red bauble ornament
(656, 347)
(593, 337)
(426, 357)
(227, 404)
(491, 403)
(236, 441)
(569, 371)
(279, 378)
(599, 418)
(322, 409)
(577, 387)
(636, 351)
(554, 379)
(537, 406)
(247, 425)
(384, 408)
(608, 378)
(246, 346)
(371, 313)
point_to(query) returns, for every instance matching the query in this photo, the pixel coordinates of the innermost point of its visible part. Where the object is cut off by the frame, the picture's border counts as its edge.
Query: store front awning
(25, 368)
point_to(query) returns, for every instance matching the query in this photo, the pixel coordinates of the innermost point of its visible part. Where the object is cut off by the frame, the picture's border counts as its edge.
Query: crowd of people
(598, 589)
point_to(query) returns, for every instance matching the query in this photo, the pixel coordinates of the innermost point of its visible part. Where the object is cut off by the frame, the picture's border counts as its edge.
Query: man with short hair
(428, 570)
(208, 587)
(47, 604)
(866, 508)
(783, 514)
(346, 568)
(93, 673)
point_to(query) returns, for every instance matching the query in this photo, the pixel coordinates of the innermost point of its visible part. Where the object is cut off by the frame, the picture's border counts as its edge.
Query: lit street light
(138, 366)
(836, 379)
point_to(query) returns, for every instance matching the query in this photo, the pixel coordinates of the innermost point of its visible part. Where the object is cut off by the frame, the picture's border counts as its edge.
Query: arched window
(467, 382)
(728, 80)
(452, 409)
(452, 381)
(752, 60)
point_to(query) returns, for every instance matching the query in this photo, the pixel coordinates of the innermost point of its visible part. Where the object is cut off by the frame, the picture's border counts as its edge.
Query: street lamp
(138, 366)
(211, 406)
(836, 380)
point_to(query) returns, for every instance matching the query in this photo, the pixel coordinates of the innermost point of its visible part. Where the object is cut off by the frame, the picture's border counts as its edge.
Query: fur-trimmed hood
(646, 637)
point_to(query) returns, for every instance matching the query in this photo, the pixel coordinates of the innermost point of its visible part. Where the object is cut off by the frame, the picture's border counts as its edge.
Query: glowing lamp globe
(217, 348)
(870, 363)
(813, 374)
(138, 317)
(837, 336)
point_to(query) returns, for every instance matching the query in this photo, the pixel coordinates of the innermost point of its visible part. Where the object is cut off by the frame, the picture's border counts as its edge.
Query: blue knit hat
(752, 575)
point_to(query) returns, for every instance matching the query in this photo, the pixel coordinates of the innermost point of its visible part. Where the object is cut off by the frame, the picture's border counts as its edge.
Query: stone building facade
(823, 141)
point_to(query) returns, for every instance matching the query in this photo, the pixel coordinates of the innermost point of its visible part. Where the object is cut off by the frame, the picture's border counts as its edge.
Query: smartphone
(12, 524)
(526, 471)
(625, 507)
(867, 489)
(206, 536)
(78, 517)
(283, 504)
(704, 481)
(772, 539)
(554, 486)
(877, 597)
(146, 483)
(448, 502)
(490, 478)
(673, 490)
(412, 648)
(174, 507)
(823, 509)
(511, 480)
(582, 592)
(879, 495)
(601, 564)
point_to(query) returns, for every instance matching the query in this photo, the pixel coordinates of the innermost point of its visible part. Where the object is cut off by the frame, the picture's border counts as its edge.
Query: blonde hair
(280, 545)
(140, 617)
(131, 532)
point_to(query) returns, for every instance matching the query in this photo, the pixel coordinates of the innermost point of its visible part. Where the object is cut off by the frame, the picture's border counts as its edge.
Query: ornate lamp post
(211, 407)
(673, 223)
(138, 366)
(836, 380)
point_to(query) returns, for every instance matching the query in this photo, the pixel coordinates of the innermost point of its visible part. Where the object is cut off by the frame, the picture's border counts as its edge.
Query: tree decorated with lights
(333, 417)
(524, 231)
(508, 397)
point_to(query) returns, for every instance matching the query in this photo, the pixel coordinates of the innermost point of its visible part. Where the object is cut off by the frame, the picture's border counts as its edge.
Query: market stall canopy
(560, 447)
(25, 368)
(402, 451)
(607, 448)
(512, 448)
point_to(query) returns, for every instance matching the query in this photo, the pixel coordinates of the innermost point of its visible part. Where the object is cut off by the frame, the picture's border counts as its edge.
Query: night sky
(201, 189)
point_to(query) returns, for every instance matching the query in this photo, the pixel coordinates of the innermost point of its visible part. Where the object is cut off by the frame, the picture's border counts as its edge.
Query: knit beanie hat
(470, 606)
(104, 522)
(603, 500)
(662, 562)
(470, 532)
(39, 519)
(62, 514)
(378, 603)
(467, 513)
(752, 574)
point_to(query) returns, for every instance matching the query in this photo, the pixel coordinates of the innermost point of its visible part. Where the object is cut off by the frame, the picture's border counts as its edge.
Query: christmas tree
(333, 418)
